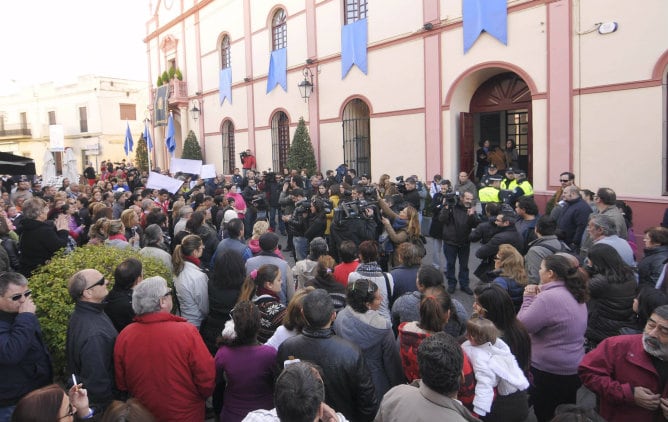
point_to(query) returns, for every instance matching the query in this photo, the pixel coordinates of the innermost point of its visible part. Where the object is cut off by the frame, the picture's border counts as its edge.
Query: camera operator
(255, 202)
(307, 222)
(354, 219)
(247, 161)
(459, 218)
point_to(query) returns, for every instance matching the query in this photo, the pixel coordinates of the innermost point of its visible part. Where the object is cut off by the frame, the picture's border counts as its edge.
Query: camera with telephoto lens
(243, 155)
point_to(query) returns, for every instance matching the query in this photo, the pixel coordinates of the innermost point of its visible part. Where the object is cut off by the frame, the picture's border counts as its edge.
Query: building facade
(92, 114)
(577, 85)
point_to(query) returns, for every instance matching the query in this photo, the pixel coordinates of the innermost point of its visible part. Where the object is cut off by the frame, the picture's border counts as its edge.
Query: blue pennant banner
(354, 38)
(129, 143)
(278, 70)
(490, 16)
(225, 85)
(170, 142)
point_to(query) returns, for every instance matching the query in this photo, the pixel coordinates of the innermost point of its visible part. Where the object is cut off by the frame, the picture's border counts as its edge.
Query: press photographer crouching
(308, 221)
(356, 219)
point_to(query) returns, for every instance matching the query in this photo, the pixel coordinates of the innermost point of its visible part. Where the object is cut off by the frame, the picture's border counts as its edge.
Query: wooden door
(466, 143)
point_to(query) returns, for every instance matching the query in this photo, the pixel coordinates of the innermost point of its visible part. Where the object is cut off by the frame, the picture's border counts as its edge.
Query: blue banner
(490, 16)
(129, 143)
(225, 85)
(161, 106)
(147, 136)
(353, 46)
(170, 142)
(278, 70)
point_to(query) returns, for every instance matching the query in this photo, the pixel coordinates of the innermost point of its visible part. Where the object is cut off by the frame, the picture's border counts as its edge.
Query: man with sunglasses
(90, 338)
(25, 364)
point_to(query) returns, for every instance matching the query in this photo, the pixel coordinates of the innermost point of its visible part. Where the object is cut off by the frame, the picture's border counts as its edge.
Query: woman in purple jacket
(555, 315)
(249, 367)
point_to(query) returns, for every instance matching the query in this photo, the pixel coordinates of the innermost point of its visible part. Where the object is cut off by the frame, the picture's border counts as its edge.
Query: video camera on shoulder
(302, 206)
(401, 184)
(243, 155)
(451, 198)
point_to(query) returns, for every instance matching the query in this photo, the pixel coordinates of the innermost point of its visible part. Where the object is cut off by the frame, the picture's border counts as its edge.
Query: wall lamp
(195, 111)
(306, 86)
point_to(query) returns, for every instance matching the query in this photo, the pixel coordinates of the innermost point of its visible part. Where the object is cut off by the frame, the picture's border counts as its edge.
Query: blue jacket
(25, 363)
(514, 289)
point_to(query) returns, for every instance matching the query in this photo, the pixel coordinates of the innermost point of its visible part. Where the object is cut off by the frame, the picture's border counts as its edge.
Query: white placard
(56, 138)
(158, 181)
(208, 171)
(185, 166)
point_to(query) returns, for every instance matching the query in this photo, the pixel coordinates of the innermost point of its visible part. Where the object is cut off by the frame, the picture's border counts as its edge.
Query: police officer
(490, 193)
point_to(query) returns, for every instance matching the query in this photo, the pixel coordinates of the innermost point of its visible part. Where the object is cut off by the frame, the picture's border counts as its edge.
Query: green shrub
(172, 72)
(54, 304)
(178, 74)
(159, 82)
(165, 77)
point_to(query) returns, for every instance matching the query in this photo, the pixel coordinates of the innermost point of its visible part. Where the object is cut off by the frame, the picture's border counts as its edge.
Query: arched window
(228, 147)
(355, 10)
(225, 57)
(356, 136)
(280, 140)
(279, 30)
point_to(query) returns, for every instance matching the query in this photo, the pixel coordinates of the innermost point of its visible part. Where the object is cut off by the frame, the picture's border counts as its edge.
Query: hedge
(54, 304)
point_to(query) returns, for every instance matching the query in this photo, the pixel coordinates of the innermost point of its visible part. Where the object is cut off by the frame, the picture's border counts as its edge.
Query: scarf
(264, 291)
(399, 224)
(368, 268)
(193, 259)
(118, 236)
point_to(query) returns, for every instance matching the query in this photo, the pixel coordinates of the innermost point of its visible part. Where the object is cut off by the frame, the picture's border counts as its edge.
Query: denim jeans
(301, 247)
(6, 413)
(273, 213)
(437, 258)
(452, 253)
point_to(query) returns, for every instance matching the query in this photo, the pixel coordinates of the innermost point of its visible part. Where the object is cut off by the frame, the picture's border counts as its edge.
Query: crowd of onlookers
(302, 297)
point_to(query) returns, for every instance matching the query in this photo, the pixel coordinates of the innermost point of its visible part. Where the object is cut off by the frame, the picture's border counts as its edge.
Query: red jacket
(162, 361)
(612, 370)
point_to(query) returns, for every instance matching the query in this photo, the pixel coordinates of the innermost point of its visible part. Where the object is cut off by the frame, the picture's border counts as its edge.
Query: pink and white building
(579, 86)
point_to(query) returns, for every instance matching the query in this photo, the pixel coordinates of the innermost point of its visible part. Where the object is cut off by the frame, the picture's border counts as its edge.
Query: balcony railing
(178, 92)
(15, 131)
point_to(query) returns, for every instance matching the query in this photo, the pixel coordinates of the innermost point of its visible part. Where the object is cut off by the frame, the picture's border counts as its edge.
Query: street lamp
(306, 86)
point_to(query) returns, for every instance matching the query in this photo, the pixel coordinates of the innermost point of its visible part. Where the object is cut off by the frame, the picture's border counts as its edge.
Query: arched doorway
(357, 136)
(500, 109)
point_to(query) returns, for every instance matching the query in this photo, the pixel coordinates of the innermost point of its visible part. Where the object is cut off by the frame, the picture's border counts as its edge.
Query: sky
(59, 40)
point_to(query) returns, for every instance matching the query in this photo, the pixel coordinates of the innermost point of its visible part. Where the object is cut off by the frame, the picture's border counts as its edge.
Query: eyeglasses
(564, 180)
(25, 294)
(99, 283)
(168, 294)
(70, 411)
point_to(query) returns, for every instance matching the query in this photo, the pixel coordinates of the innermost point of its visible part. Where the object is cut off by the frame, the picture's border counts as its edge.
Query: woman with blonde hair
(511, 275)
(117, 237)
(401, 227)
(131, 223)
(259, 228)
(190, 281)
(98, 232)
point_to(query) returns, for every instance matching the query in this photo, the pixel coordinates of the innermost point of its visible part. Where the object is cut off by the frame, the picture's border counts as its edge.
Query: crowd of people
(363, 326)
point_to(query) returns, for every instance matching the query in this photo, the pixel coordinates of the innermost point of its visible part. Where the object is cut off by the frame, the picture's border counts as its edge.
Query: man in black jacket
(25, 363)
(458, 221)
(90, 338)
(506, 233)
(347, 379)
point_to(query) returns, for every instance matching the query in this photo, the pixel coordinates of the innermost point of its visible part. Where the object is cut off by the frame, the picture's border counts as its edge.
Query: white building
(92, 113)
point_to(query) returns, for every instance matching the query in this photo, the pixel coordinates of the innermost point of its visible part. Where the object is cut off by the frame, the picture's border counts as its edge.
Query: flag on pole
(147, 136)
(170, 142)
(129, 143)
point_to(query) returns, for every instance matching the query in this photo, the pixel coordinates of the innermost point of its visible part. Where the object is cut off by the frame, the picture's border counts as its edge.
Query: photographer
(247, 161)
(459, 218)
(436, 227)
